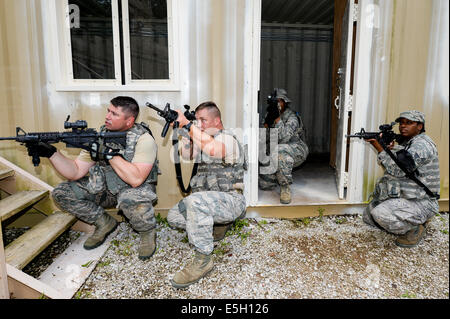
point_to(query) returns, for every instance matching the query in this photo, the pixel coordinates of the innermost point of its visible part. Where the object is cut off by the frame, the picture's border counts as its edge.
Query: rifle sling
(176, 156)
(410, 175)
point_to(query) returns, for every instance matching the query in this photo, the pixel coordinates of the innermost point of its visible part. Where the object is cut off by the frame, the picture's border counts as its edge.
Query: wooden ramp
(14, 283)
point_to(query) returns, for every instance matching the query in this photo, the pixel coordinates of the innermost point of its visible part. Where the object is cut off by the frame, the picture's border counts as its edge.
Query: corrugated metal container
(299, 59)
(211, 44)
(404, 70)
(405, 59)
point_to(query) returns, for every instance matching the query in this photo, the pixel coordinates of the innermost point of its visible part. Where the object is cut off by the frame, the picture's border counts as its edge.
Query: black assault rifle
(385, 136)
(272, 112)
(80, 137)
(403, 158)
(171, 116)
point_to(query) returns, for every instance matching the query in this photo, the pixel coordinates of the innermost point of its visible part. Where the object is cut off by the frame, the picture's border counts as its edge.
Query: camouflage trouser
(198, 212)
(136, 203)
(289, 157)
(399, 215)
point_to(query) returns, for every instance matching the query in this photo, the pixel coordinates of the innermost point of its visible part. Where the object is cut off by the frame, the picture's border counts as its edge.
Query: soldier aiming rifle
(125, 179)
(406, 196)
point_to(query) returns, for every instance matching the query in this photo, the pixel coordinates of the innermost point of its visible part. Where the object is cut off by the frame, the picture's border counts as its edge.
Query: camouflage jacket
(394, 183)
(217, 175)
(102, 175)
(291, 129)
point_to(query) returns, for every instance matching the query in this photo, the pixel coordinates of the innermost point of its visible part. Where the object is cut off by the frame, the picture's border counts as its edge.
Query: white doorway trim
(371, 80)
(250, 123)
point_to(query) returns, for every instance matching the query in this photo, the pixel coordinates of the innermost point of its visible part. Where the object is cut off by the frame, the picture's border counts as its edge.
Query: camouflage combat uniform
(398, 203)
(216, 199)
(291, 150)
(87, 197)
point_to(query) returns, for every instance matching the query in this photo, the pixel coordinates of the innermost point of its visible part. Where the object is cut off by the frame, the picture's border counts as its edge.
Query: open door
(343, 101)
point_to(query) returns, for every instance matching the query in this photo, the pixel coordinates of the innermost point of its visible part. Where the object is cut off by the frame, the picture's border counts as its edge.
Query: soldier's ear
(130, 120)
(420, 126)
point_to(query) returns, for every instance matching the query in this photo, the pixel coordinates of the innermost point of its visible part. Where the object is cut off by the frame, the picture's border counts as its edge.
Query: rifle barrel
(354, 135)
(150, 105)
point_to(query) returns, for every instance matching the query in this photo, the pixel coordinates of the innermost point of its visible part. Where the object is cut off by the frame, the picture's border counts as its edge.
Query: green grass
(408, 295)
(238, 229)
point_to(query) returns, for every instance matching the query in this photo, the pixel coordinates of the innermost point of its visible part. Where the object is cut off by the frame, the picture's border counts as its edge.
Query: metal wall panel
(298, 11)
(211, 68)
(407, 70)
(299, 60)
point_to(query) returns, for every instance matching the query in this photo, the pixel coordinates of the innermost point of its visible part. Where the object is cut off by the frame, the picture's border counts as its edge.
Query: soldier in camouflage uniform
(217, 189)
(290, 152)
(127, 181)
(399, 205)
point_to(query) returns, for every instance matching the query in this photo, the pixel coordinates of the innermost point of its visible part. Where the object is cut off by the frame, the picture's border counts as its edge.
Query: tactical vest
(390, 186)
(102, 175)
(217, 175)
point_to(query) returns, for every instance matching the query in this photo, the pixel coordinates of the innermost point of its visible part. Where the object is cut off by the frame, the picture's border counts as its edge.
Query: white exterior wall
(211, 67)
(401, 64)
(218, 58)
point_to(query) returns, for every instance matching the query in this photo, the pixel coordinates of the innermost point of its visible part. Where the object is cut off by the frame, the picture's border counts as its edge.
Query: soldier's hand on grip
(41, 149)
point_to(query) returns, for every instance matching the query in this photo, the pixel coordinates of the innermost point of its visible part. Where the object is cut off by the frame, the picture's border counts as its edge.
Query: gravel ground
(320, 257)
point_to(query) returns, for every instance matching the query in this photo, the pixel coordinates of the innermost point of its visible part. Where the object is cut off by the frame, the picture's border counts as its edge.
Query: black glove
(41, 149)
(99, 152)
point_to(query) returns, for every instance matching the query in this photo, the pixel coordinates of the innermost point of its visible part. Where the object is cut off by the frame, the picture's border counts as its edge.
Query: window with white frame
(116, 44)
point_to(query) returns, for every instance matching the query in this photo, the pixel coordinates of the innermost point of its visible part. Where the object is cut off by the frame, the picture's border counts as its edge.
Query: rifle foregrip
(36, 160)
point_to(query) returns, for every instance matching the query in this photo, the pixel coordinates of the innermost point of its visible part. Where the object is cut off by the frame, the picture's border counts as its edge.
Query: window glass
(92, 40)
(148, 39)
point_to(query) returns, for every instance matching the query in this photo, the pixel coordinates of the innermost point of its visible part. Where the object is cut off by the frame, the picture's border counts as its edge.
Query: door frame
(339, 10)
(250, 125)
(363, 101)
(345, 97)
(359, 85)
(360, 90)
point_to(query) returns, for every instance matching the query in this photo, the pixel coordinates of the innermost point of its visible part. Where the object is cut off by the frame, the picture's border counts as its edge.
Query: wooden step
(22, 250)
(17, 202)
(6, 172)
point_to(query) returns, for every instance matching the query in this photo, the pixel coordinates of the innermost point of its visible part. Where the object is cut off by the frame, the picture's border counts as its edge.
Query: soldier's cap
(282, 94)
(415, 116)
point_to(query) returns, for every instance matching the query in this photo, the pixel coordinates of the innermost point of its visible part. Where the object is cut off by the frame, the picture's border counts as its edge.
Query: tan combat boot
(199, 267)
(285, 194)
(411, 238)
(104, 226)
(147, 246)
(219, 231)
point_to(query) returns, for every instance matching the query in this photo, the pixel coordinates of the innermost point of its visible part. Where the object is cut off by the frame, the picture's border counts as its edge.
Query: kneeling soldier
(216, 199)
(127, 182)
(399, 205)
